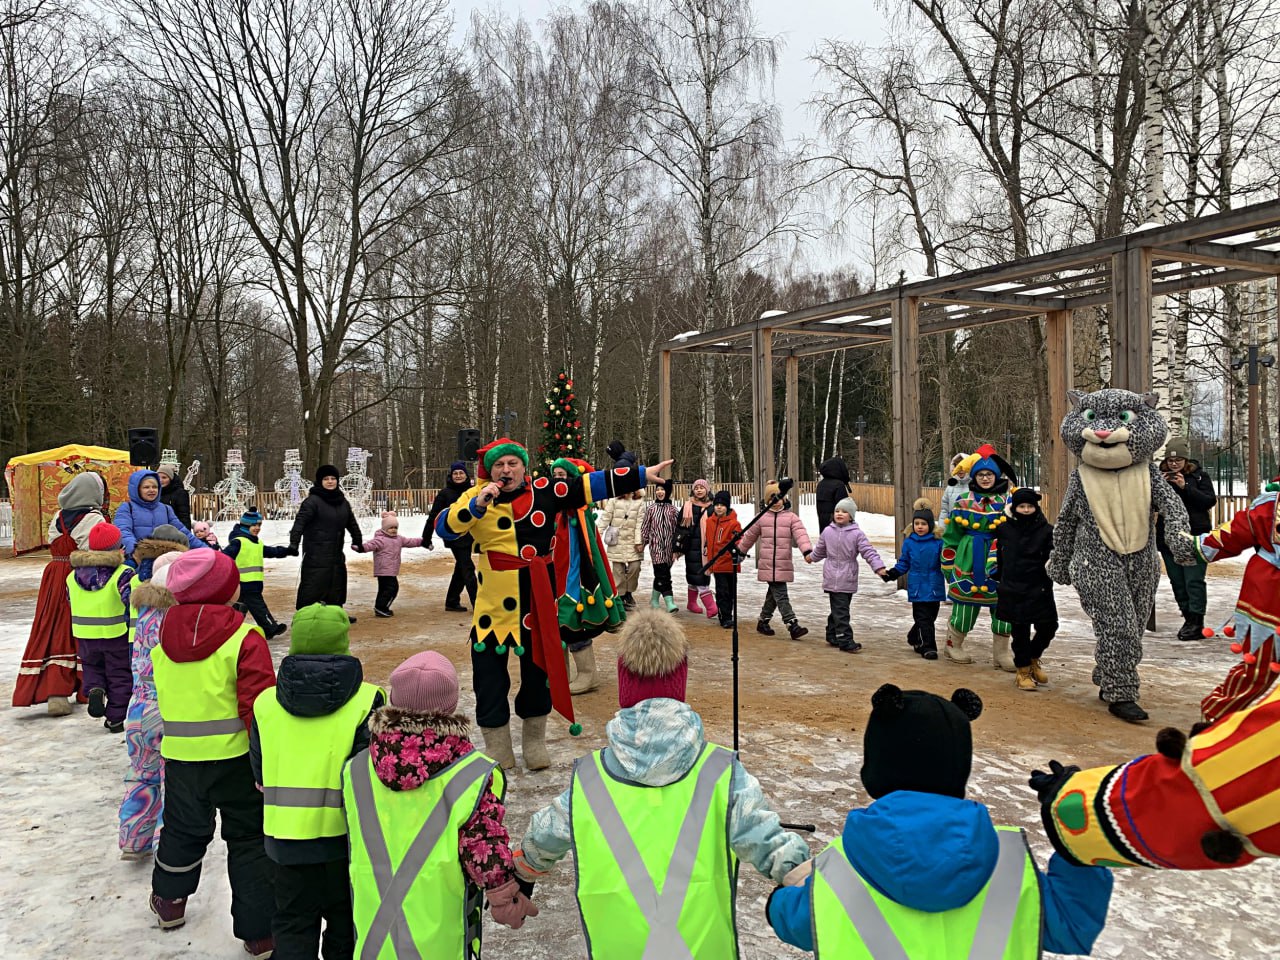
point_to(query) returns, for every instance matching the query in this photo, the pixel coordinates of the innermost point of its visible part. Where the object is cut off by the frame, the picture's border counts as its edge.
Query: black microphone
(784, 485)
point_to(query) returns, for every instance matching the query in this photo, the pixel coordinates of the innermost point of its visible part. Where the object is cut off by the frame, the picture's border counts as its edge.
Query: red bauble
(577, 423)
(556, 437)
(545, 425)
(562, 376)
(571, 396)
(569, 383)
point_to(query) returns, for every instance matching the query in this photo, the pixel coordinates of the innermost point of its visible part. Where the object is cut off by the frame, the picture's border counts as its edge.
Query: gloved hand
(509, 906)
(1047, 785)
(357, 547)
(293, 549)
(891, 574)
(427, 544)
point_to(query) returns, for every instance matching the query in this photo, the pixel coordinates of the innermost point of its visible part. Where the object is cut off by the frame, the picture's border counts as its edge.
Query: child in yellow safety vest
(420, 803)
(244, 547)
(305, 728)
(658, 819)
(209, 668)
(922, 871)
(98, 587)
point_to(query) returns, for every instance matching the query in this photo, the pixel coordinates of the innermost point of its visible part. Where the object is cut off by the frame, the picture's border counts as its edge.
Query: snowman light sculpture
(235, 491)
(289, 488)
(356, 485)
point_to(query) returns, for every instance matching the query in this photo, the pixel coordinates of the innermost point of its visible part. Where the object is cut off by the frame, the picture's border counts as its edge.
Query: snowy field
(66, 893)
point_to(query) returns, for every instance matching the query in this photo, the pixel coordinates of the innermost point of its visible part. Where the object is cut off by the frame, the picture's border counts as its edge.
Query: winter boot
(134, 856)
(670, 601)
(655, 600)
(534, 743)
(1024, 680)
(171, 913)
(260, 949)
(796, 630)
(1192, 627)
(117, 727)
(1002, 653)
(1037, 672)
(954, 649)
(1128, 711)
(693, 601)
(585, 660)
(497, 745)
(59, 707)
(379, 612)
(762, 626)
(709, 604)
(97, 702)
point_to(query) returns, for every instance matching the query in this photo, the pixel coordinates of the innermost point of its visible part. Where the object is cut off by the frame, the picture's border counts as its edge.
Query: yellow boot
(1024, 681)
(1037, 672)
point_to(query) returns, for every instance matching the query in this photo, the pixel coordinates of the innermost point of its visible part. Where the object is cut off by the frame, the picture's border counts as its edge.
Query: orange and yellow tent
(36, 479)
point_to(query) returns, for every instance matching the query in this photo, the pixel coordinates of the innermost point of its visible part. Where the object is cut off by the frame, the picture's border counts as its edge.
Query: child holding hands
(840, 545)
(386, 547)
(921, 557)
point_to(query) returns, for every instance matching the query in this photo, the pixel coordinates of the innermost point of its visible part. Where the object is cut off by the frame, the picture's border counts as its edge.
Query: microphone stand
(732, 547)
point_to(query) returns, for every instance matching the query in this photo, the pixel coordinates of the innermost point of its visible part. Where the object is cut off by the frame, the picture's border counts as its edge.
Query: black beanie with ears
(918, 741)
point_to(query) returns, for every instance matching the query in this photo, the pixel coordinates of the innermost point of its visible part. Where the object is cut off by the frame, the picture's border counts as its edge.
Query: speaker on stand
(144, 447)
(468, 444)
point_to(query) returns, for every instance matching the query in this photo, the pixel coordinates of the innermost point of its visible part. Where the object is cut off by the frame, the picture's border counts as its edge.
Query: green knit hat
(320, 629)
(503, 446)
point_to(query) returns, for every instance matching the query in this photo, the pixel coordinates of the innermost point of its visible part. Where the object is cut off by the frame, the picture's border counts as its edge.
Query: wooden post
(793, 419)
(762, 406)
(1131, 312)
(1252, 476)
(664, 406)
(906, 407)
(1060, 360)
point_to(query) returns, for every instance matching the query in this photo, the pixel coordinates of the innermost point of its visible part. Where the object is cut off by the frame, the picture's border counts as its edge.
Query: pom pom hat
(502, 447)
(203, 576)
(653, 658)
(918, 741)
(104, 536)
(389, 520)
(425, 683)
(250, 518)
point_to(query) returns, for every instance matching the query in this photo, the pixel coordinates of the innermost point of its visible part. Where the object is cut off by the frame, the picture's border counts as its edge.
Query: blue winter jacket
(136, 518)
(921, 556)
(935, 853)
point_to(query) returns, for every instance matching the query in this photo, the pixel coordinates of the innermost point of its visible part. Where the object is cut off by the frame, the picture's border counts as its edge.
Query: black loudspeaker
(144, 447)
(468, 444)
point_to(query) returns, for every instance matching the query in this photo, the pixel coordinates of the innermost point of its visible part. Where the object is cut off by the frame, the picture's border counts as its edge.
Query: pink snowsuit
(386, 552)
(143, 805)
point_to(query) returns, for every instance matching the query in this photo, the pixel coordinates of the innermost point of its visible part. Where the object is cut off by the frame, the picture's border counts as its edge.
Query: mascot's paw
(1221, 846)
(1047, 785)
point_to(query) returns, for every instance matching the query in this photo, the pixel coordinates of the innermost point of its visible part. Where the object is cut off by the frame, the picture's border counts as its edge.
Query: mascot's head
(1113, 429)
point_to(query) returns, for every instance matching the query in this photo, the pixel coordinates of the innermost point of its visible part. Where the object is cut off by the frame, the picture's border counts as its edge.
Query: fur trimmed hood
(150, 548)
(394, 718)
(408, 749)
(151, 594)
(651, 644)
(97, 558)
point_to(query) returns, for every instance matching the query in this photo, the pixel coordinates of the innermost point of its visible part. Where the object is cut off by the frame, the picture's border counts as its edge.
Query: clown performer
(587, 601)
(1256, 621)
(969, 557)
(513, 522)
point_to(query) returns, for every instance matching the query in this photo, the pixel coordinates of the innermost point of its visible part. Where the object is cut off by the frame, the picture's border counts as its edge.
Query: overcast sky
(798, 24)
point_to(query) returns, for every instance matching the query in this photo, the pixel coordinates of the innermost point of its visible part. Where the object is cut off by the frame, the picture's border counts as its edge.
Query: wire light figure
(235, 492)
(289, 488)
(356, 485)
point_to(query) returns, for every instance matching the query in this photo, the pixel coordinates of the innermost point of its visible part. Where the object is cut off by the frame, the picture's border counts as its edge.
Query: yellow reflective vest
(198, 705)
(302, 760)
(656, 874)
(98, 614)
(409, 895)
(854, 921)
(249, 560)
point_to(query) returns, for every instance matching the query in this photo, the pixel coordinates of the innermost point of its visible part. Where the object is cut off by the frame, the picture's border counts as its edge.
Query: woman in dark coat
(173, 494)
(322, 518)
(1024, 540)
(832, 488)
(464, 568)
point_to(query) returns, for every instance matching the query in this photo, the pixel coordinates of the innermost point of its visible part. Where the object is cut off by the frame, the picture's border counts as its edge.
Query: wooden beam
(664, 405)
(1011, 300)
(792, 365)
(905, 386)
(1059, 358)
(762, 407)
(1219, 255)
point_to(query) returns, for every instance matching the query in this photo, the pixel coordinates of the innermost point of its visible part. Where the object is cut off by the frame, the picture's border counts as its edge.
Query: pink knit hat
(653, 658)
(203, 576)
(389, 520)
(425, 683)
(160, 568)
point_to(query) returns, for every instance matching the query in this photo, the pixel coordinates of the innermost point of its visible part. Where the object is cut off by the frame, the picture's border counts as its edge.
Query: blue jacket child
(138, 516)
(921, 557)
(921, 846)
(244, 539)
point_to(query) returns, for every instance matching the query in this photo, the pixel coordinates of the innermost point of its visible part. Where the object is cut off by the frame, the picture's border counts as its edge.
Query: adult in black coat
(464, 568)
(1024, 541)
(832, 488)
(174, 494)
(1195, 489)
(322, 518)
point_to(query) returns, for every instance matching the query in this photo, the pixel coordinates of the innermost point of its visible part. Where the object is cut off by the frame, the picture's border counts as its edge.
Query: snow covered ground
(65, 893)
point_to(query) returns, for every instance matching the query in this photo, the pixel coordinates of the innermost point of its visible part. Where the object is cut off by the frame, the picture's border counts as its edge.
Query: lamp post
(861, 426)
(1252, 359)
(260, 454)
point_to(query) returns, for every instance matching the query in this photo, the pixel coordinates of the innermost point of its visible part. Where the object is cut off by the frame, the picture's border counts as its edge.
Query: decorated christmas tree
(561, 427)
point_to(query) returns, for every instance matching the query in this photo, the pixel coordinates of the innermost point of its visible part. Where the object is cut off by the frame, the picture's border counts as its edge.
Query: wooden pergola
(1123, 273)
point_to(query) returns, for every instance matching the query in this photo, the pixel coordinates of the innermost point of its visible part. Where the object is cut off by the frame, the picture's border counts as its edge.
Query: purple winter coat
(839, 547)
(778, 531)
(386, 552)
